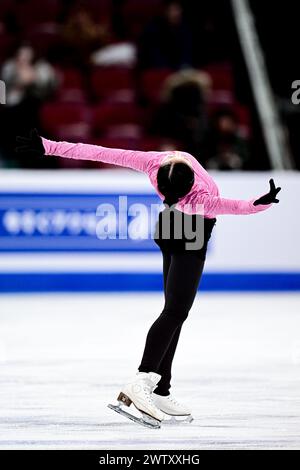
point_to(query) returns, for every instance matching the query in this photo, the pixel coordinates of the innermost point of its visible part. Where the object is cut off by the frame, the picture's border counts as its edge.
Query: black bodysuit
(182, 270)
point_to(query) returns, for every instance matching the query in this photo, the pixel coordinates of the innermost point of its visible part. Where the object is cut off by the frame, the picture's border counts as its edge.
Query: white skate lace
(173, 401)
(147, 388)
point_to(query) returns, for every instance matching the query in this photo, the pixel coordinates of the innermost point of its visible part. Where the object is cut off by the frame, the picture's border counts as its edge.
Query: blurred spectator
(29, 81)
(26, 76)
(103, 33)
(83, 35)
(182, 114)
(225, 148)
(166, 42)
(213, 30)
(120, 54)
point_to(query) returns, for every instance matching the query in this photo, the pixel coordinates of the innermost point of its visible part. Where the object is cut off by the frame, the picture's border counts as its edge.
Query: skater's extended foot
(139, 392)
(170, 406)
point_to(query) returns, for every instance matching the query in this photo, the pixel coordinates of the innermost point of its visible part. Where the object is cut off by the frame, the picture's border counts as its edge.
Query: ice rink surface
(64, 357)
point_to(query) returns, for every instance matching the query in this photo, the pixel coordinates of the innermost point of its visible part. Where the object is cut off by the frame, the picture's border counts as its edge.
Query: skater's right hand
(270, 197)
(30, 144)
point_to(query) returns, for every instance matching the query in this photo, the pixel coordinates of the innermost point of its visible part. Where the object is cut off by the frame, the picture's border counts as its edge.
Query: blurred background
(142, 74)
(213, 78)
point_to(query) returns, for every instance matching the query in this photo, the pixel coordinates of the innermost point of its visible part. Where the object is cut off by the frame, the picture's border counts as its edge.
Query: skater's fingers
(22, 149)
(277, 190)
(25, 148)
(22, 140)
(272, 184)
(34, 133)
(276, 201)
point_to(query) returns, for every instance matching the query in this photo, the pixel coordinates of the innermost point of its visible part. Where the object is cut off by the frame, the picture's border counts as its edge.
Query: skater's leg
(181, 287)
(165, 368)
(166, 267)
(166, 364)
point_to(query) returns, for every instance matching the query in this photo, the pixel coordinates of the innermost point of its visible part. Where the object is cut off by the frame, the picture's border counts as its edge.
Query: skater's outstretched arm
(215, 205)
(144, 161)
(127, 158)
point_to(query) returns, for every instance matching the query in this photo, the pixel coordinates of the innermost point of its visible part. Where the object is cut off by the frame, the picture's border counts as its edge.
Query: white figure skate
(175, 411)
(139, 392)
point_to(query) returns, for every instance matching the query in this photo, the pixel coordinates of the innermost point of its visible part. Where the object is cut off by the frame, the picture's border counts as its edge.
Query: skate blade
(146, 420)
(178, 419)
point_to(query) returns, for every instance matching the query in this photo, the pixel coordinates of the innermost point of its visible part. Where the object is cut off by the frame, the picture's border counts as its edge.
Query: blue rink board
(142, 282)
(61, 223)
(64, 222)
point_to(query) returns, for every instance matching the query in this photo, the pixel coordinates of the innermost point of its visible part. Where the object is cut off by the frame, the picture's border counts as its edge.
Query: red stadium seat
(137, 14)
(108, 82)
(221, 98)
(7, 6)
(34, 12)
(71, 95)
(244, 119)
(221, 75)
(150, 144)
(71, 86)
(43, 37)
(242, 113)
(7, 44)
(69, 121)
(109, 114)
(145, 144)
(128, 143)
(99, 9)
(152, 83)
(70, 77)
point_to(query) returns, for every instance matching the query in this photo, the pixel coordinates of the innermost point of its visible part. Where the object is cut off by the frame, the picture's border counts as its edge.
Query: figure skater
(184, 186)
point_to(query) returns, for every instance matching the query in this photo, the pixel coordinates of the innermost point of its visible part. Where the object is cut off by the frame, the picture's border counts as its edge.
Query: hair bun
(174, 181)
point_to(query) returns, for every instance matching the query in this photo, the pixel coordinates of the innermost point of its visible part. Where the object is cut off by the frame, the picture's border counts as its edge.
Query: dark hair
(174, 180)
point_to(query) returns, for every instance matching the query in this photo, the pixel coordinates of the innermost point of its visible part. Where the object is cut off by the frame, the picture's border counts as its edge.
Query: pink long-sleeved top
(203, 198)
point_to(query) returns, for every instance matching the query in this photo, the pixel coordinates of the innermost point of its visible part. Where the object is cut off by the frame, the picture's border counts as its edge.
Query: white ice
(64, 357)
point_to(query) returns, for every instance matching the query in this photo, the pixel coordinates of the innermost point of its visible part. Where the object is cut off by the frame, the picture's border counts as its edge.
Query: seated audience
(225, 148)
(166, 41)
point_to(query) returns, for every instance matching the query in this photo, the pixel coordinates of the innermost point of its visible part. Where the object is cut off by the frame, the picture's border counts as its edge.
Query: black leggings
(182, 273)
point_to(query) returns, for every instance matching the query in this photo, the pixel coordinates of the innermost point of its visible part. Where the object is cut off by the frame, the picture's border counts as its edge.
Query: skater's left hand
(270, 196)
(33, 143)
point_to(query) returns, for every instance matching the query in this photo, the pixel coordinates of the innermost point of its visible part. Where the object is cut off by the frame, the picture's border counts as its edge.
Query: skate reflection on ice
(178, 420)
